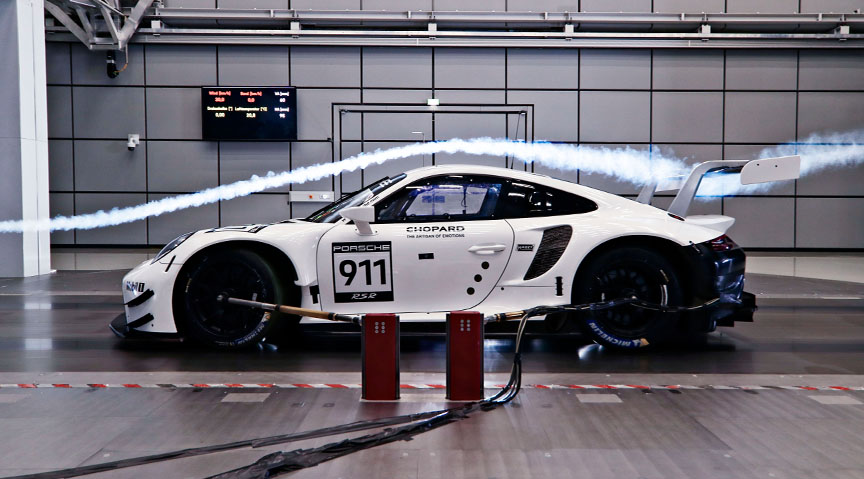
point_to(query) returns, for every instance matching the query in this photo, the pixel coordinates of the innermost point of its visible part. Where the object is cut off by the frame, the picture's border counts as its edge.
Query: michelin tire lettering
(621, 343)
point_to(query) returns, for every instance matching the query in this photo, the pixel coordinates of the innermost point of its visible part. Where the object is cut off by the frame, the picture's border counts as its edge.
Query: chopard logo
(434, 229)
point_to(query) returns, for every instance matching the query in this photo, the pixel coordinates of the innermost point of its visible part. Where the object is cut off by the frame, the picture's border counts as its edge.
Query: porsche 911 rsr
(449, 238)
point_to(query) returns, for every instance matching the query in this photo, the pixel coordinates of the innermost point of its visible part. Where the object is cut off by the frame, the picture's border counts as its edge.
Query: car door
(437, 246)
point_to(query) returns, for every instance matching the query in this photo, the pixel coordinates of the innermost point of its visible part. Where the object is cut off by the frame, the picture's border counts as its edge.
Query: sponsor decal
(361, 247)
(525, 247)
(239, 229)
(435, 232)
(362, 272)
(434, 229)
(134, 286)
(624, 343)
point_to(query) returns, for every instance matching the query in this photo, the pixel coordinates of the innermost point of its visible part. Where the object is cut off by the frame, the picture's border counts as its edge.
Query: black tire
(622, 273)
(236, 273)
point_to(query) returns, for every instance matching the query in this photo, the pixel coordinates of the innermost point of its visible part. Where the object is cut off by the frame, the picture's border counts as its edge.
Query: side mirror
(362, 216)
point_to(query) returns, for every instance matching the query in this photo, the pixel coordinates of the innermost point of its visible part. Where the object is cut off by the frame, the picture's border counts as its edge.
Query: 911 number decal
(362, 272)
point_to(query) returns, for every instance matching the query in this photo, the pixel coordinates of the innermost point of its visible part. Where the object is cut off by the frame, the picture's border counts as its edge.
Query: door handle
(487, 248)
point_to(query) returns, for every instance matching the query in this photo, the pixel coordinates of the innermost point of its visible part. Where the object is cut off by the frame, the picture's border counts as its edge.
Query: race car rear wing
(763, 170)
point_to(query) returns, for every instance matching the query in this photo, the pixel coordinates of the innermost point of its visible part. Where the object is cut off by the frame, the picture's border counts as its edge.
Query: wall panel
(688, 70)
(836, 6)
(62, 204)
(762, 6)
(174, 113)
(555, 113)
(182, 166)
(240, 160)
(542, 68)
(687, 116)
(690, 6)
(396, 126)
(609, 183)
(315, 111)
(469, 68)
(106, 112)
(258, 208)
(164, 228)
(325, 66)
(397, 67)
(600, 97)
(761, 69)
(616, 5)
(607, 69)
(253, 65)
(308, 154)
(107, 165)
(614, 116)
(59, 100)
(543, 5)
(760, 117)
(181, 65)
(125, 234)
(762, 222)
(57, 66)
(60, 165)
(831, 70)
(829, 112)
(88, 67)
(398, 5)
(830, 222)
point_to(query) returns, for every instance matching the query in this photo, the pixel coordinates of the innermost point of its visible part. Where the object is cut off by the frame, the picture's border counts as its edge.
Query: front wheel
(233, 273)
(629, 272)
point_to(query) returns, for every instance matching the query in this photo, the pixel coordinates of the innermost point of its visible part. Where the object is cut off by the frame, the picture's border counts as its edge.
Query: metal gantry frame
(112, 24)
(96, 17)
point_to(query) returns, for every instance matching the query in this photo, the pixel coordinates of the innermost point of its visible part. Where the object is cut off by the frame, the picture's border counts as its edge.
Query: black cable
(280, 462)
(253, 443)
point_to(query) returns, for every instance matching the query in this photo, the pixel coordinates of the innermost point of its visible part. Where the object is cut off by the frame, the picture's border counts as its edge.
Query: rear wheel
(236, 273)
(629, 272)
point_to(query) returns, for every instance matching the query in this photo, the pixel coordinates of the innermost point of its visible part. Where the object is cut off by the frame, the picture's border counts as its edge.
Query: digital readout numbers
(362, 272)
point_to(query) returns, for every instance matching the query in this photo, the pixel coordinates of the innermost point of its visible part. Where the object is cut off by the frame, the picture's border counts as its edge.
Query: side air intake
(551, 248)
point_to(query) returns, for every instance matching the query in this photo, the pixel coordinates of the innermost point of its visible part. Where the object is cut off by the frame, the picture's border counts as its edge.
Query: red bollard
(380, 336)
(465, 356)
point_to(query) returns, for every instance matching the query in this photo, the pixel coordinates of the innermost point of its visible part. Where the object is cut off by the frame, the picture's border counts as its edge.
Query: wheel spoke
(236, 279)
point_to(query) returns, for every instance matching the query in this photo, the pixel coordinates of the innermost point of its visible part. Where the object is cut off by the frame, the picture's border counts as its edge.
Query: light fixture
(433, 101)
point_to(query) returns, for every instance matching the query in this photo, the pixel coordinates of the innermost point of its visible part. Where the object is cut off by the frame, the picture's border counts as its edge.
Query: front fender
(297, 241)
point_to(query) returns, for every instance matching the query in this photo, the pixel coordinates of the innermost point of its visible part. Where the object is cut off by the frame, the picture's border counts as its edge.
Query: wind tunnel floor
(738, 413)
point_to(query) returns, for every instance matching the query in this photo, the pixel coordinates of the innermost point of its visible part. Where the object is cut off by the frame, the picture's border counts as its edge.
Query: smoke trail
(627, 164)
(818, 153)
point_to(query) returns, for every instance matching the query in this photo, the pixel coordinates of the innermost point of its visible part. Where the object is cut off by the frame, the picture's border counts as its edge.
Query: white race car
(448, 238)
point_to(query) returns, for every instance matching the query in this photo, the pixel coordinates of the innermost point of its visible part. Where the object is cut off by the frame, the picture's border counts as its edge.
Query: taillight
(722, 243)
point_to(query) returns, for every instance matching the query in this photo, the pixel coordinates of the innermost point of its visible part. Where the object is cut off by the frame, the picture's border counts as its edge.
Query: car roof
(427, 171)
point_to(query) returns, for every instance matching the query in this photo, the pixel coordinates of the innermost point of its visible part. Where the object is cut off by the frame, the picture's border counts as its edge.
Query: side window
(453, 198)
(525, 200)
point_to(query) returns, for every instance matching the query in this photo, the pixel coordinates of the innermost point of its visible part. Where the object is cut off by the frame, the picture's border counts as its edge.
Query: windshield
(330, 213)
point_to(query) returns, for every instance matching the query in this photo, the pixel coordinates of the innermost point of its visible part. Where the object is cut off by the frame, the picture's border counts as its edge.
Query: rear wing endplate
(764, 170)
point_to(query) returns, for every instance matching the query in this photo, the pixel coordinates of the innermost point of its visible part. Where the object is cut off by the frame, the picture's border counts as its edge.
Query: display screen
(248, 113)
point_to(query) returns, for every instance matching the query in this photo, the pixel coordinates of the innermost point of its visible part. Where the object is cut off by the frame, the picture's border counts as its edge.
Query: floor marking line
(717, 387)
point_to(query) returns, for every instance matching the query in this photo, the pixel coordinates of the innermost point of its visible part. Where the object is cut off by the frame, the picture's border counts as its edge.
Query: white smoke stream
(818, 153)
(625, 164)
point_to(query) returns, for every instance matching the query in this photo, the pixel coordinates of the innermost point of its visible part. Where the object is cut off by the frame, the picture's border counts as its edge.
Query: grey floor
(807, 332)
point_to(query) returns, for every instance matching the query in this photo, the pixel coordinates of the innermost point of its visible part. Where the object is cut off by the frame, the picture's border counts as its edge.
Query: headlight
(171, 246)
